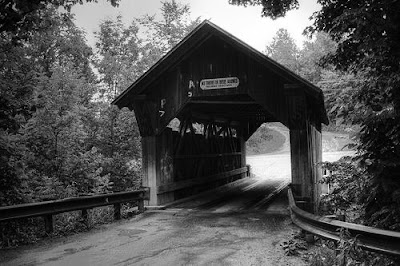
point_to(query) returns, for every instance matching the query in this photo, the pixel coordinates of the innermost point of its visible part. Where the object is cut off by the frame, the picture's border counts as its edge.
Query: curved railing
(369, 238)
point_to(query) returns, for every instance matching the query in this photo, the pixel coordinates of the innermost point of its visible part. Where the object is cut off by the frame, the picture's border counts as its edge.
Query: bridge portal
(220, 90)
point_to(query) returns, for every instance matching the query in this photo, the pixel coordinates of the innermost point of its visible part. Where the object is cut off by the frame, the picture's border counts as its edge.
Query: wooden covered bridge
(221, 90)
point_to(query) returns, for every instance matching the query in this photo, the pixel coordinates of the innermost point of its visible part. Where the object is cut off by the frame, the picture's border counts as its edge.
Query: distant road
(277, 166)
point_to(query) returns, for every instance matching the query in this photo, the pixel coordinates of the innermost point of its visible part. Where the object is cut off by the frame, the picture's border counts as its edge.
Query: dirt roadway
(211, 234)
(234, 226)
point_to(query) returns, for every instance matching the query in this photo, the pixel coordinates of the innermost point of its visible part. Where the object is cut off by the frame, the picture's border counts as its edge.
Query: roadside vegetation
(356, 63)
(59, 135)
(354, 58)
(320, 252)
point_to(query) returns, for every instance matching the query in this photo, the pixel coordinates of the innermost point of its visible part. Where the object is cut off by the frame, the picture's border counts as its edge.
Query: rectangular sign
(220, 83)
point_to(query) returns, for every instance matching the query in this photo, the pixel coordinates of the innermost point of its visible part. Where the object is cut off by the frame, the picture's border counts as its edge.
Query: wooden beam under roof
(221, 102)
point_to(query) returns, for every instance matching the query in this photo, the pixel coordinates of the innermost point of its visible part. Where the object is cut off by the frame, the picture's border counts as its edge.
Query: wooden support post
(305, 149)
(149, 162)
(48, 223)
(243, 156)
(301, 173)
(85, 217)
(141, 206)
(117, 211)
(316, 151)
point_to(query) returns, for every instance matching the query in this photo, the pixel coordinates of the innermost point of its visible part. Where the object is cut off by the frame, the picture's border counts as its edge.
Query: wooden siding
(267, 92)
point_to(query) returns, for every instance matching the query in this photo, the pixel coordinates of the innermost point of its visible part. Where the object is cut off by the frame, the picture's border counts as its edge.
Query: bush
(348, 183)
(31, 230)
(347, 252)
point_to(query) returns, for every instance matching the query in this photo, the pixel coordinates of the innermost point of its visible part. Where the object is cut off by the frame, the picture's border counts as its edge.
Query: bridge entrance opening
(268, 153)
(218, 91)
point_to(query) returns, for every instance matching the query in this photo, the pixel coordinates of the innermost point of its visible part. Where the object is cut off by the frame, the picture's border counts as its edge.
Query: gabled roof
(194, 39)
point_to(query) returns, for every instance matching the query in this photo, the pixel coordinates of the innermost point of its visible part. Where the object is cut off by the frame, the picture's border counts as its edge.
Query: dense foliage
(347, 184)
(367, 37)
(271, 8)
(367, 33)
(338, 86)
(59, 136)
(23, 16)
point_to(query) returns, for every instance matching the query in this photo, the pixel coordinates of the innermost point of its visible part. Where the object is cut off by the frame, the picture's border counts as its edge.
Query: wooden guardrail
(47, 209)
(369, 238)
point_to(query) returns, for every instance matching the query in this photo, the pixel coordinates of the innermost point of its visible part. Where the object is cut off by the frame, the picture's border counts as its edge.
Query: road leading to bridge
(233, 226)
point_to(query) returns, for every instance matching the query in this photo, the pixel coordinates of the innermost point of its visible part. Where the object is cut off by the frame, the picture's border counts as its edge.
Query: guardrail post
(85, 216)
(141, 205)
(48, 223)
(117, 211)
(248, 171)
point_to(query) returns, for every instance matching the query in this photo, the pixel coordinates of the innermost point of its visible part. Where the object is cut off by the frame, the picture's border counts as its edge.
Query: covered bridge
(221, 90)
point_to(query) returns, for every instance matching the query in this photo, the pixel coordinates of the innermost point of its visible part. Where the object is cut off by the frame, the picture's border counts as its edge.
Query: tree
(162, 35)
(20, 17)
(59, 42)
(367, 35)
(340, 89)
(117, 131)
(56, 41)
(32, 98)
(310, 59)
(271, 8)
(284, 50)
(54, 133)
(118, 53)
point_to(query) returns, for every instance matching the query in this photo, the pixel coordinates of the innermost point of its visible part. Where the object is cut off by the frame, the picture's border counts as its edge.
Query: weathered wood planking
(215, 79)
(169, 95)
(165, 163)
(149, 167)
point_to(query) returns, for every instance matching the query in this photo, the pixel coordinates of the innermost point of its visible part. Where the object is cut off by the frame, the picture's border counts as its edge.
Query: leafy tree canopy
(367, 34)
(117, 55)
(271, 8)
(20, 16)
(163, 34)
(283, 49)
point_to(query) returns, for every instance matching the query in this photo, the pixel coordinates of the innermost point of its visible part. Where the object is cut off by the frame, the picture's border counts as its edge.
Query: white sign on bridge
(220, 83)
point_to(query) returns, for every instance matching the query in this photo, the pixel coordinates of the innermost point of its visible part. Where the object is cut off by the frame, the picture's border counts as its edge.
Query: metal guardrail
(369, 238)
(49, 208)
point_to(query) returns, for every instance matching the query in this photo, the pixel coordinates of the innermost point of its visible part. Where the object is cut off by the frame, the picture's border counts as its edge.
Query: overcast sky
(244, 23)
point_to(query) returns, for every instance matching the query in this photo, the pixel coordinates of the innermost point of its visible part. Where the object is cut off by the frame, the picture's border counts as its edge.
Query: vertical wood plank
(149, 168)
(243, 155)
(306, 154)
(165, 166)
(301, 146)
(317, 138)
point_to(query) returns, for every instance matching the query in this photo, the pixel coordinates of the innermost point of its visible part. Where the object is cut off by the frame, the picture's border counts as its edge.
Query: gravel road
(233, 226)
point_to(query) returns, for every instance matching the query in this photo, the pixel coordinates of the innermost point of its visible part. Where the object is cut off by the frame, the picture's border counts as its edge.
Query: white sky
(244, 23)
